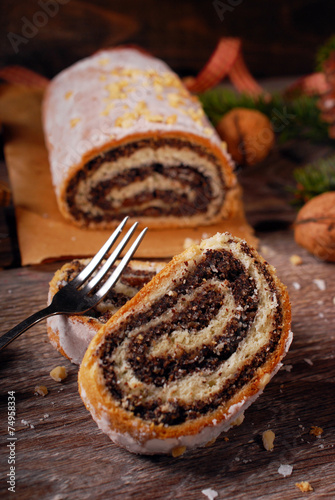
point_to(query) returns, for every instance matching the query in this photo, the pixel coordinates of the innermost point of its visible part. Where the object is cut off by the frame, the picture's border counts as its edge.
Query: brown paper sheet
(43, 233)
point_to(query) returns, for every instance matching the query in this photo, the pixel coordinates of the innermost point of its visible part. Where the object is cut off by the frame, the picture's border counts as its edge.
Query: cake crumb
(285, 469)
(316, 431)
(238, 421)
(296, 260)
(268, 438)
(178, 451)
(209, 493)
(59, 373)
(40, 390)
(321, 284)
(304, 486)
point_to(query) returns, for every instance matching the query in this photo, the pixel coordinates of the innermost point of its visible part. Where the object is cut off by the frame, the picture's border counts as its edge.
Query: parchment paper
(43, 233)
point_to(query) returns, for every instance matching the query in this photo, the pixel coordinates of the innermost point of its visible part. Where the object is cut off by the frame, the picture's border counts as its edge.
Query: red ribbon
(23, 76)
(226, 61)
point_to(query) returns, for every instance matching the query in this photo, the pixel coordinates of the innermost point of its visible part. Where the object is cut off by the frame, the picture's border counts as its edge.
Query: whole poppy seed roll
(125, 137)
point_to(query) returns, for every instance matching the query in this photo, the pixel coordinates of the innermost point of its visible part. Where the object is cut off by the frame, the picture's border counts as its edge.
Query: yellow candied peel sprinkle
(103, 61)
(158, 88)
(141, 107)
(130, 72)
(126, 120)
(175, 99)
(151, 72)
(117, 90)
(102, 78)
(155, 118)
(107, 109)
(171, 80)
(208, 131)
(195, 113)
(170, 120)
(68, 94)
(74, 122)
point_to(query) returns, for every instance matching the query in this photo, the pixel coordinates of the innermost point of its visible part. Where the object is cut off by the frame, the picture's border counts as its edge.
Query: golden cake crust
(117, 421)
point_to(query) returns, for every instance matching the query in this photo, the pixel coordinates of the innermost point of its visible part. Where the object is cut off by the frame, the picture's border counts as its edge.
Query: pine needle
(314, 179)
(294, 118)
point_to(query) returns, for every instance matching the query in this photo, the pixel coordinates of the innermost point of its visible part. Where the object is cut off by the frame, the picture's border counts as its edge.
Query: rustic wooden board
(60, 452)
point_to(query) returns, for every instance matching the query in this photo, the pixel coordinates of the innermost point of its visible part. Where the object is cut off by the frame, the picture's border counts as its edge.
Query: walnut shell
(248, 134)
(315, 226)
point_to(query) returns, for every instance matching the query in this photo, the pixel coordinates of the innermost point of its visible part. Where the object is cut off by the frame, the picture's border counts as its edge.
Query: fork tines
(96, 260)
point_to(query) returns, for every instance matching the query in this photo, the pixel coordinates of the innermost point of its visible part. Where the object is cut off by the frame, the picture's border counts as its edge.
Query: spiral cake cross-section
(125, 137)
(178, 363)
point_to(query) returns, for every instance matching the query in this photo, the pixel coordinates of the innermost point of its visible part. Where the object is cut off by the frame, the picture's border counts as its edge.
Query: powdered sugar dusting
(102, 107)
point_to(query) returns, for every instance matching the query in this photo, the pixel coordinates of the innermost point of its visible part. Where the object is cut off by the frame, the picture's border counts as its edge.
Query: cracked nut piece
(268, 438)
(40, 390)
(59, 373)
(315, 226)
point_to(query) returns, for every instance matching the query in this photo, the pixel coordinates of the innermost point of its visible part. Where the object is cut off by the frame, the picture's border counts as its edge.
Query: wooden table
(60, 452)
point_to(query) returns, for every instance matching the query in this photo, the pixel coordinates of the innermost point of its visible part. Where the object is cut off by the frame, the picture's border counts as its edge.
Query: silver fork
(78, 296)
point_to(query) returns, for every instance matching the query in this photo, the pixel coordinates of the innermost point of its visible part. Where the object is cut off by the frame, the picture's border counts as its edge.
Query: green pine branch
(293, 118)
(314, 179)
(324, 52)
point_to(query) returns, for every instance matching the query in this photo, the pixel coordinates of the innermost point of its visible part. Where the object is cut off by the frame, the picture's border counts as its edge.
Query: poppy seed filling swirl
(149, 177)
(144, 359)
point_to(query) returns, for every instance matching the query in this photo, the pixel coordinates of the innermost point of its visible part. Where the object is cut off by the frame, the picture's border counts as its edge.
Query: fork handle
(12, 334)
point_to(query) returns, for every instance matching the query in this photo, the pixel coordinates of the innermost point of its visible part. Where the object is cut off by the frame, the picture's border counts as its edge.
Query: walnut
(315, 226)
(248, 134)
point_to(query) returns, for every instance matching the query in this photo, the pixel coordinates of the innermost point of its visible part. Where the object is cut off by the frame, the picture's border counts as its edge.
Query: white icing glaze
(74, 335)
(111, 95)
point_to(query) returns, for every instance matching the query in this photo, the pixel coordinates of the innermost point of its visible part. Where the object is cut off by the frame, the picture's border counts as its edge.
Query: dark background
(280, 37)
